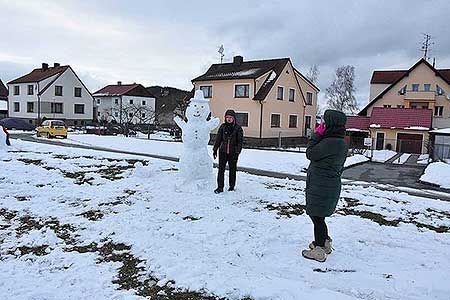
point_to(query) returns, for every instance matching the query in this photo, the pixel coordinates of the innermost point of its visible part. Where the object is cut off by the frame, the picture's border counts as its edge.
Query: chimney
(119, 82)
(237, 60)
(55, 65)
(44, 66)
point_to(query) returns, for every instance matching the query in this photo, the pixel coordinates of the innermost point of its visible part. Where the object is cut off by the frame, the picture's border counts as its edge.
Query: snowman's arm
(180, 122)
(213, 123)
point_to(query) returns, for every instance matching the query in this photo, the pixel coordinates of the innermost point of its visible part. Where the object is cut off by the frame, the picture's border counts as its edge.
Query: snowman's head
(198, 108)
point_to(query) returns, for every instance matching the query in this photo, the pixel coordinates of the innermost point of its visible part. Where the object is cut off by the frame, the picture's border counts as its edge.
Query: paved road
(398, 175)
(356, 173)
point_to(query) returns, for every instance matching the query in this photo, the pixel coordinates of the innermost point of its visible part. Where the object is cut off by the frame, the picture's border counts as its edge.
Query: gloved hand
(321, 128)
(215, 154)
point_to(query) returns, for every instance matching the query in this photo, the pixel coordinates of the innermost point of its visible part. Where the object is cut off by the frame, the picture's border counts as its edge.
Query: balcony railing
(420, 95)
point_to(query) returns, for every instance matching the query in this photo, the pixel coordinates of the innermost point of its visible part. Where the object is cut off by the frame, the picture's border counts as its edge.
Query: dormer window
(439, 90)
(402, 91)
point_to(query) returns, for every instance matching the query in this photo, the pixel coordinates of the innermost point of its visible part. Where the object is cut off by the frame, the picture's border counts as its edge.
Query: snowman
(196, 165)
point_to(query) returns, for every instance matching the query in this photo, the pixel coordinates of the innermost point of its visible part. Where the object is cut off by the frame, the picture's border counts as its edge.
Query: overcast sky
(171, 42)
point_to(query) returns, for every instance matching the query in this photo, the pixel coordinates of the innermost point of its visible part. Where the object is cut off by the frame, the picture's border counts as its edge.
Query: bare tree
(313, 73)
(129, 115)
(341, 92)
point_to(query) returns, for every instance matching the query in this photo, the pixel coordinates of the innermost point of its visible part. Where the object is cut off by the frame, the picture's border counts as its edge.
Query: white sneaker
(317, 254)
(328, 246)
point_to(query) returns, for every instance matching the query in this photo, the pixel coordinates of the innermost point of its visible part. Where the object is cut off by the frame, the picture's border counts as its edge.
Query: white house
(125, 103)
(51, 92)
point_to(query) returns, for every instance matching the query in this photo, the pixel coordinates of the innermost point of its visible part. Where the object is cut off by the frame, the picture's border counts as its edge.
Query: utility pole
(426, 45)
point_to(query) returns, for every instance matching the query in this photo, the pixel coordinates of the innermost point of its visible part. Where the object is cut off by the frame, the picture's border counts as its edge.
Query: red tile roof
(401, 117)
(123, 89)
(398, 118)
(357, 122)
(39, 74)
(386, 77)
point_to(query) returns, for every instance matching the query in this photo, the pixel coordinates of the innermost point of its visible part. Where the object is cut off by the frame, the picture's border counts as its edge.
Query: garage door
(409, 143)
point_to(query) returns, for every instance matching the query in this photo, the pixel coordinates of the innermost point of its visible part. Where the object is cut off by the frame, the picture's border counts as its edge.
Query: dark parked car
(18, 124)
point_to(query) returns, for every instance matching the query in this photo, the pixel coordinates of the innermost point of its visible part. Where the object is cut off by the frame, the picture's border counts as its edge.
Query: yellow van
(52, 128)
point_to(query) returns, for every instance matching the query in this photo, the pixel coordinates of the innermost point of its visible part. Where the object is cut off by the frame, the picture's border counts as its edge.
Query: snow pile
(437, 173)
(355, 159)
(381, 155)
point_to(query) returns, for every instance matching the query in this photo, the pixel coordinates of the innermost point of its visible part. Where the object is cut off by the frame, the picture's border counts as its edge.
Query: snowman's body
(195, 161)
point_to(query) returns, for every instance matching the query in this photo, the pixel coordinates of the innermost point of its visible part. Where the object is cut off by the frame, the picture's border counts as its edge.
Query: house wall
(69, 81)
(422, 74)
(23, 98)
(223, 99)
(376, 89)
(391, 137)
(310, 110)
(107, 108)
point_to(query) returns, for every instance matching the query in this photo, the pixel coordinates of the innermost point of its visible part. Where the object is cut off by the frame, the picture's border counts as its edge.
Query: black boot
(231, 189)
(218, 190)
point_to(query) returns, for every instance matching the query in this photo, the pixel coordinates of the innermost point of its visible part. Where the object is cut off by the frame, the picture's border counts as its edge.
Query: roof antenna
(434, 62)
(221, 50)
(426, 45)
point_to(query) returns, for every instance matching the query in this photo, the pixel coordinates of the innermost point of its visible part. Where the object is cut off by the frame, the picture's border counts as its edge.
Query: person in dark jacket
(7, 136)
(229, 141)
(327, 151)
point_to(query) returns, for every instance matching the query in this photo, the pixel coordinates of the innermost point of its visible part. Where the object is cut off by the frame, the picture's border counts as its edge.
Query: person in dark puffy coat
(229, 139)
(327, 151)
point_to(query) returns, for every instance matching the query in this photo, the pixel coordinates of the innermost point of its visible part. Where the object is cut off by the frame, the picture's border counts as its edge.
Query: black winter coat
(327, 154)
(229, 139)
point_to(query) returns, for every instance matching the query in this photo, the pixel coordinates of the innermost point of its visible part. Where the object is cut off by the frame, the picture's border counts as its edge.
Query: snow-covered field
(437, 173)
(81, 224)
(277, 161)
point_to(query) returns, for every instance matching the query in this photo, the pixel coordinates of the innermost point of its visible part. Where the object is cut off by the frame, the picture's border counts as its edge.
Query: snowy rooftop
(442, 130)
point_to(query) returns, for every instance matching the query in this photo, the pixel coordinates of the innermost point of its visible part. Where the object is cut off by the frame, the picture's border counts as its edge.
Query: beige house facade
(271, 98)
(421, 87)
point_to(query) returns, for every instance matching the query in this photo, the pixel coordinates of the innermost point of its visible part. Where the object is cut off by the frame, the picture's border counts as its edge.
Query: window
(99, 101)
(16, 90)
(30, 89)
(402, 91)
(207, 91)
(16, 107)
(415, 87)
(56, 108)
(116, 101)
(280, 93)
(144, 102)
(400, 106)
(387, 106)
(30, 107)
(427, 87)
(439, 90)
(292, 121)
(275, 121)
(58, 90)
(291, 95)
(309, 98)
(242, 119)
(77, 92)
(242, 91)
(438, 111)
(131, 101)
(79, 108)
(308, 122)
